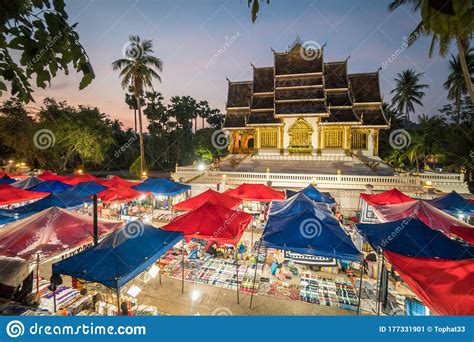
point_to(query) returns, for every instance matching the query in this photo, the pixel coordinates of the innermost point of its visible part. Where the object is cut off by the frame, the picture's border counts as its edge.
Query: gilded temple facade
(305, 106)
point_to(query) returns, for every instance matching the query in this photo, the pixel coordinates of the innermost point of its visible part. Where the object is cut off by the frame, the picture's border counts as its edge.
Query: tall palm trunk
(135, 116)
(462, 58)
(142, 145)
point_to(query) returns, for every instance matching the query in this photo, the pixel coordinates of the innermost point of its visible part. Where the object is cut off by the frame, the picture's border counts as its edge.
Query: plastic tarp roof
(7, 180)
(302, 226)
(119, 257)
(454, 204)
(50, 233)
(431, 216)
(209, 196)
(87, 188)
(393, 196)
(213, 223)
(76, 179)
(117, 182)
(119, 195)
(162, 186)
(12, 195)
(412, 237)
(256, 193)
(466, 233)
(445, 286)
(47, 175)
(27, 183)
(314, 194)
(51, 186)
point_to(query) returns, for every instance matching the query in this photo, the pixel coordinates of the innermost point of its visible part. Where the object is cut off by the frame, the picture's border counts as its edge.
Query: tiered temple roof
(302, 84)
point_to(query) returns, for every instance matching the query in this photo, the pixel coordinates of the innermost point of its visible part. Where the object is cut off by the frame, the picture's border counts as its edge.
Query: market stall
(10, 195)
(51, 186)
(389, 197)
(123, 202)
(27, 183)
(314, 194)
(6, 180)
(117, 182)
(209, 196)
(455, 205)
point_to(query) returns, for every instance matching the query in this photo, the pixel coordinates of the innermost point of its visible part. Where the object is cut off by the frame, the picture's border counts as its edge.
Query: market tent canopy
(422, 210)
(213, 223)
(309, 231)
(4, 219)
(74, 180)
(120, 257)
(119, 195)
(162, 186)
(27, 183)
(393, 196)
(454, 204)
(51, 186)
(465, 233)
(87, 188)
(299, 203)
(412, 237)
(209, 196)
(314, 194)
(50, 233)
(256, 193)
(7, 180)
(12, 195)
(445, 286)
(47, 175)
(117, 182)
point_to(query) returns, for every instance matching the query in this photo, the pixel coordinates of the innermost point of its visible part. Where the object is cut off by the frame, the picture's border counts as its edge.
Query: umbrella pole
(237, 282)
(182, 267)
(37, 272)
(159, 271)
(377, 283)
(118, 302)
(255, 276)
(360, 286)
(379, 301)
(96, 226)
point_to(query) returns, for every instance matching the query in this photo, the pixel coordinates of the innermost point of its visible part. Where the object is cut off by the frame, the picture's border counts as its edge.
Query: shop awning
(117, 182)
(121, 256)
(88, 188)
(454, 204)
(445, 286)
(393, 196)
(314, 194)
(27, 183)
(256, 193)
(12, 195)
(209, 196)
(422, 210)
(119, 195)
(162, 187)
(212, 223)
(51, 186)
(308, 229)
(50, 232)
(412, 237)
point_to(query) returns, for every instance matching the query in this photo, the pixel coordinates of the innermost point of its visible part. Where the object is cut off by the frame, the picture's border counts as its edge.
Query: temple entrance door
(300, 134)
(250, 144)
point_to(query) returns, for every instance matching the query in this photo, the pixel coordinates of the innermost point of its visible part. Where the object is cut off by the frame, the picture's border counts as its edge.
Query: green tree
(138, 69)
(445, 22)
(40, 31)
(455, 84)
(408, 91)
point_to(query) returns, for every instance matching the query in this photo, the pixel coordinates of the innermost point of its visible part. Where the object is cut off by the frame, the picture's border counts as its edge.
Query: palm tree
(455, 84)
(445, 22)
(138, 69)
(132, 104)
(408, 92)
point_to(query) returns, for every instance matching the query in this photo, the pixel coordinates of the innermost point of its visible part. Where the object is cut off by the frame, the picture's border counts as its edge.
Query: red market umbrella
(256, 193)
(393, 196)
(12, 195)
(209, 196)
(445, 286)
(119, 195)
(50, 232)
(213, 223)
(117, 182)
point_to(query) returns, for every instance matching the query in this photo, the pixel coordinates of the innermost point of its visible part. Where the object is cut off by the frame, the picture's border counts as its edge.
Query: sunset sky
(186, 34)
